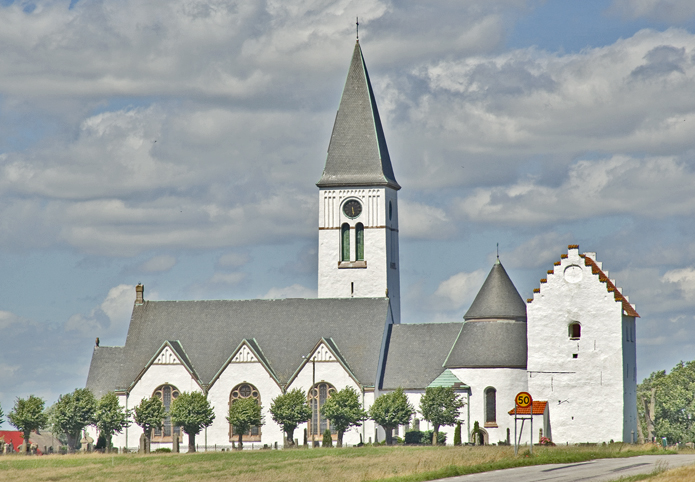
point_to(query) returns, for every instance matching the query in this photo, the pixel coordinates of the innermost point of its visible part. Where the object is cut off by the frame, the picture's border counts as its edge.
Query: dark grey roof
(104, 370)
(497, 299)
(357, 153)
(416, 353)
(489, 344)
(210, 331)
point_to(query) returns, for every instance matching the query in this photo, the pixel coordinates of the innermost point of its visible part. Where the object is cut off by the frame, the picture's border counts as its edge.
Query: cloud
(684, 279)
(233, 260)
(109, 321)
(675, 11)
(158, 264)
(292, 291)
(592, 188)
(540, 251)
(228, 278)
(420, 221)
(458, 290)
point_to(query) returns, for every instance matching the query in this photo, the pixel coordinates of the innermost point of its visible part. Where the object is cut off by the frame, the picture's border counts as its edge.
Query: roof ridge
(610, 286)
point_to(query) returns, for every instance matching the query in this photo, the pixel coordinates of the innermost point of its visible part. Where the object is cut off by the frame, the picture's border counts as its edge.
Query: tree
(440, 406)
(1, 414)
(244, 413)
(666, 404)
(28, 416)
(391, 410)
(457, 434)
(73, 412)
(344, 410)
(192, 412)
(289, 410)
(148, 415)
(110, 418)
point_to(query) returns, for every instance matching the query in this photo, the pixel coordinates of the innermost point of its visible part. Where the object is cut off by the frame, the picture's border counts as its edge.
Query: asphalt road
(600, 470)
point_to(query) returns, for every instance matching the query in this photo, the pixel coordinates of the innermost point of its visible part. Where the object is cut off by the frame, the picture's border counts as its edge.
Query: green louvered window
(359, 241)
(345, 242)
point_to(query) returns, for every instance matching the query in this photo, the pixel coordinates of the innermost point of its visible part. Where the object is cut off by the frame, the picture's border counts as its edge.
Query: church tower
(358, 203)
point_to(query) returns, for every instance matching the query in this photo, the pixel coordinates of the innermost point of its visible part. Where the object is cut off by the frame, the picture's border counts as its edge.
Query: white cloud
(233, 260)
(541, 250)
(293, 291)
(458, 290)
(228, 278)
(158, 264)
(110, 319)
(420, 221)
(684, 279)
(676, 11)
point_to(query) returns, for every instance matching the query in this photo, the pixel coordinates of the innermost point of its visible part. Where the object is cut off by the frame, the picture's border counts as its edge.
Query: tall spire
(357, 153)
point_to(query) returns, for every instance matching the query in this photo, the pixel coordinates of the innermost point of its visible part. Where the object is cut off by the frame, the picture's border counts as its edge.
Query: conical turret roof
(357, 153)
(497, 299)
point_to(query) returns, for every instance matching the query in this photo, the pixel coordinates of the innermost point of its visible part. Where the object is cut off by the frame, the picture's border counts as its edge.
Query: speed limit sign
(523, 399)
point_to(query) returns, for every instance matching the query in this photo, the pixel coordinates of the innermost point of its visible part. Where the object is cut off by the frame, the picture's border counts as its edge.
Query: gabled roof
(538, 408)
(497, 299)
(179, 352)
(415, 354)
(212, 330)
(333, 350)
(448, 379)
(500, 344)
(357, 152)
(104, 370)
(256, 351)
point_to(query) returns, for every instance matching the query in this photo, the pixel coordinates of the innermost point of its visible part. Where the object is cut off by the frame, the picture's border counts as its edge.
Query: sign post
(522, 400)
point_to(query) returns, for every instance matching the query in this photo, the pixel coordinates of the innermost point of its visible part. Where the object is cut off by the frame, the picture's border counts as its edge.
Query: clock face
(352, 208)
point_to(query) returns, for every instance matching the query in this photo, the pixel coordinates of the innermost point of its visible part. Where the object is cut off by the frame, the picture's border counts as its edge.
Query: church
(571, 346)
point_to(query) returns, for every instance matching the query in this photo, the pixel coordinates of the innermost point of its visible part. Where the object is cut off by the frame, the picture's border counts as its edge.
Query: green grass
(391, 464)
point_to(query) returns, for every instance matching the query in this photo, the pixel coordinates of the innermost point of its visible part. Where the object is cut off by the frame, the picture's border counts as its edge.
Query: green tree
(110, 418)
(148, 415)
(289, 410)
(73, 412)
(28, 416)
(327, 439)
(192, 412)
(391, 410)
(344, 410)
(440, 406)
(457, 434)
(244, 413)
(666, 404)
(1, 415)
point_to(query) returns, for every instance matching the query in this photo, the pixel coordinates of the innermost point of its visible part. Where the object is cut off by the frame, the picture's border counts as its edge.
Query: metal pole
(316, 401)
(531, 427)
(516, 446)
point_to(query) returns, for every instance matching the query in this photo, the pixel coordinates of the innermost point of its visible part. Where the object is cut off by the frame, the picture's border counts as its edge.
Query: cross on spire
(357, 26)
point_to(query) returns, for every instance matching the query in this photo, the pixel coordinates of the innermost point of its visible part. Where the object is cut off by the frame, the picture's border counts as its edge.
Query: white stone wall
(508, 382)
(581, 379)
(235, 373)
(380, 246)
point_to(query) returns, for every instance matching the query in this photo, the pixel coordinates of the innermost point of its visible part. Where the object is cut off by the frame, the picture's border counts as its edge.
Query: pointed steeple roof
(357, 153)
(498, 299)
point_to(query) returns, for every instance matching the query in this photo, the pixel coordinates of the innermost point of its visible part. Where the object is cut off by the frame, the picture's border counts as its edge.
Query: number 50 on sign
(523, 399)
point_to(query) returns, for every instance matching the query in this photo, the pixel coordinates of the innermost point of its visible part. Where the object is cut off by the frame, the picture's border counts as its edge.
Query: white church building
(571, 346)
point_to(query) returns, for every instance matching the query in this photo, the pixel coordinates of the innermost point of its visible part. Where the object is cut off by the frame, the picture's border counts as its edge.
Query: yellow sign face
(523, 399)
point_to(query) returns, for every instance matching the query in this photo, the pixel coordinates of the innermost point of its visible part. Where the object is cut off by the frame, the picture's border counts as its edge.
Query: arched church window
(167, 394)
(245, 390)
(359, 241)
(345, 242)
(575, 330)
(490, 407)
(317, 397)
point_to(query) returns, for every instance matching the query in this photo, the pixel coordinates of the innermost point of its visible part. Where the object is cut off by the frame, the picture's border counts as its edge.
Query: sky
(177, 144)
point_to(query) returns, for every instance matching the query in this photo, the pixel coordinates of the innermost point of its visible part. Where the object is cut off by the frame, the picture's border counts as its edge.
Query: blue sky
(178, 144)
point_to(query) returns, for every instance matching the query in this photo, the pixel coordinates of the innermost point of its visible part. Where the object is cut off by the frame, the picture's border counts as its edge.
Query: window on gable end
(575, 330)
(167, 394)
(245, 390)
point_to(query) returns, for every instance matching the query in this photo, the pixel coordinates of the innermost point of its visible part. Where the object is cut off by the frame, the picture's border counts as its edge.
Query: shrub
(457, 434)
(413, 437)
(163, 450)
(427, 437)
(327, 439)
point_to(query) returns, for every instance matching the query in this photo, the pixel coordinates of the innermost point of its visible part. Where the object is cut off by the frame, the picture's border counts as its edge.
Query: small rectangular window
(575, 355)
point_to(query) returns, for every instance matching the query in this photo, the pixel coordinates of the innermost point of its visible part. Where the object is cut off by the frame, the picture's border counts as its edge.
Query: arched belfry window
(167, 394)
(575, 330)
(490, 407)
(317, 397)
(345, 242)
(245, 390)
(359, 241)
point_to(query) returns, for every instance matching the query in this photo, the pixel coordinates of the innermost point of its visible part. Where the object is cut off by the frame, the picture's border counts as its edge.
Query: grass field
(349, 464)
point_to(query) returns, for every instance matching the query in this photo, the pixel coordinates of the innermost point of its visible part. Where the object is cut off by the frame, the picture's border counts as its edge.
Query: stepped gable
(498, 298)
(357, 153)
(209, 331)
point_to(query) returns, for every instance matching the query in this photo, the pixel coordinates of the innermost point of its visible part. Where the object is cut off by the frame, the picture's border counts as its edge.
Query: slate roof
(416, 353)
(209, 331)
(357, 152)
(489, 344)
(104, 370)
(497, 299)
